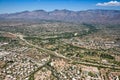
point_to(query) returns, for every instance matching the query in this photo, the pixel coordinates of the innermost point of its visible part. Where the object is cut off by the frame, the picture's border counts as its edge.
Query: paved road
(96, 65)
(61, 56)
(46, 50)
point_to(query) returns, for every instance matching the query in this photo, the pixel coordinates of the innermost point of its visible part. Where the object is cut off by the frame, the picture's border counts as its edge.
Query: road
(61, 56)
(46, 50)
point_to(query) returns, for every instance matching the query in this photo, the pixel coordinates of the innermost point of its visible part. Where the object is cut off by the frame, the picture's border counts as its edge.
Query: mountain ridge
(91, 15)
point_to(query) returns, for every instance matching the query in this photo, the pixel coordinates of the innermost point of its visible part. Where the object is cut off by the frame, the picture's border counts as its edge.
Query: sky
(12, 6)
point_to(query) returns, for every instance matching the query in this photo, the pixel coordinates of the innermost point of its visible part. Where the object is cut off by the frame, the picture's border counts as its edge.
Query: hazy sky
(11, 6)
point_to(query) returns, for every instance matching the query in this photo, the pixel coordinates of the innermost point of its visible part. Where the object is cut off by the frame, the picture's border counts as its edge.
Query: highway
(61, 56)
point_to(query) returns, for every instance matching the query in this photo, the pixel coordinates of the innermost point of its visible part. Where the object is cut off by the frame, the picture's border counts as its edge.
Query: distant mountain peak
(97, 15)
(39, 10)
(24, 11)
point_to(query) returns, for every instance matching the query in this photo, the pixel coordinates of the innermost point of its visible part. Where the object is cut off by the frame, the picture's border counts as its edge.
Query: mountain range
(94, 16)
